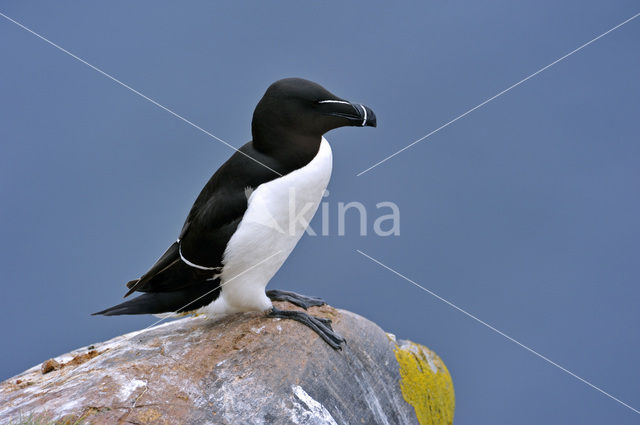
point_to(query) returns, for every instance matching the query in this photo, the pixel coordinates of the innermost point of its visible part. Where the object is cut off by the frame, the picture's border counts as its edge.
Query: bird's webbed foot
(319, 325)
(302, 301)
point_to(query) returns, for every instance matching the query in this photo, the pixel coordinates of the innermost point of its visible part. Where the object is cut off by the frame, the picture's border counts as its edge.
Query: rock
(241, 369)
(48, 366)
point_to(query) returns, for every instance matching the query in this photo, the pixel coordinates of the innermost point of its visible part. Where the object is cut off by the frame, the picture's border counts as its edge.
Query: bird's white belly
(277, 215)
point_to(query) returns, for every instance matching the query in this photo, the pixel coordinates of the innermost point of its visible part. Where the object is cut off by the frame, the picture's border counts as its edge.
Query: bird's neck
(292, 150)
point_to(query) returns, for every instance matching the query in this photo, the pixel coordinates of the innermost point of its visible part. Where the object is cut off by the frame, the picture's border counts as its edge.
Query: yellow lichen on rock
(425, 383)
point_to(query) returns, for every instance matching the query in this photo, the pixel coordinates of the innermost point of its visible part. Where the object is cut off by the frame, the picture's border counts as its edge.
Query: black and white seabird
(240, 229)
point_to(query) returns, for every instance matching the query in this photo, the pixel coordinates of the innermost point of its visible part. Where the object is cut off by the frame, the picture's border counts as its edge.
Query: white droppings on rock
(129, 387)
(419, 352)
(69, 405)
(312, 413)
(192, 372)
(432, 364)
(228, 403)
(371, 398)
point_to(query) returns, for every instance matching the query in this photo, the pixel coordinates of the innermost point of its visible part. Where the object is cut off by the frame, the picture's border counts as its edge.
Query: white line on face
(335, 101)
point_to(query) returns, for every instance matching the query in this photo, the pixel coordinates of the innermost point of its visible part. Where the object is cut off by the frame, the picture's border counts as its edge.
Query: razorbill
(251, 214)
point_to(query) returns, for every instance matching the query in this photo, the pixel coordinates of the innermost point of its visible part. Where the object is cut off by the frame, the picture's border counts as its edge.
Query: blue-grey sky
(524, 213)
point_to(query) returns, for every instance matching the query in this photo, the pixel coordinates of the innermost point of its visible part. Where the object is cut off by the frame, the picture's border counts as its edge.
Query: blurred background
(524, 213)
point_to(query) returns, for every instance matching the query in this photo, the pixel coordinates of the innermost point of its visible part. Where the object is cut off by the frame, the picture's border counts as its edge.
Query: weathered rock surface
(242, 369)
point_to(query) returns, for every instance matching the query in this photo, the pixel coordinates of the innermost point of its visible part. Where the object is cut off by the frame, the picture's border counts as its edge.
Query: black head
(294, 110)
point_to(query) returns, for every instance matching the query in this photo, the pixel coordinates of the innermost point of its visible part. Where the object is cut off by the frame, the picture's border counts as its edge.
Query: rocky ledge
(241, 369)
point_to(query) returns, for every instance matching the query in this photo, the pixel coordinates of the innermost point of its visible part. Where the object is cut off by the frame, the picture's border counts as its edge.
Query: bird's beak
(356, 113)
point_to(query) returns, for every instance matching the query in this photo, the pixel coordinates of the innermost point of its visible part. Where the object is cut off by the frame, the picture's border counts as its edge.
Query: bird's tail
(166, 302)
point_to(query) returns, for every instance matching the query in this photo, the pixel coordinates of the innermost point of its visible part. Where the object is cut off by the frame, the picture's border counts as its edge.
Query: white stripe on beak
(364, 121)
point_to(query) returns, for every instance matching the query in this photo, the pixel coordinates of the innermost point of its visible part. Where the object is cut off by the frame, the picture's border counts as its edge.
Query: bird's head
(295, 108)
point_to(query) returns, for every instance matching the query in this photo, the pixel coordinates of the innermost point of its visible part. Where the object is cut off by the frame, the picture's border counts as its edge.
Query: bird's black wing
(214, 217)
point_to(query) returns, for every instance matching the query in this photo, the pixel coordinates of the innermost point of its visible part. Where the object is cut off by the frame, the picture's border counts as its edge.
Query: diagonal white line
(136, 333)
(177, 116)
(109, 76)
(532, 351)
(188, 304)
(498, 95)
(219, 286)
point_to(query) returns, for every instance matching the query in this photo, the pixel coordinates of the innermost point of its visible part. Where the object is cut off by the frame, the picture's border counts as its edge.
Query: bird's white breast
(277, 215)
